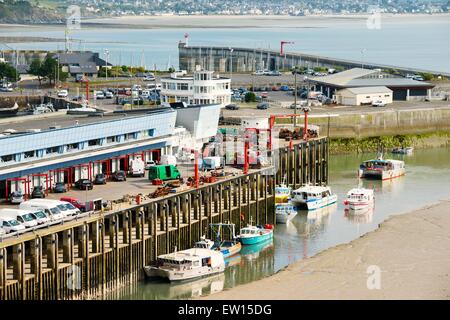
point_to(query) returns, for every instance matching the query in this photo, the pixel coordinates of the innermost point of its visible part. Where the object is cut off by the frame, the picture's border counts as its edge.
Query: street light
(362, 58)
(295, 96)
(231, 61)
(106, 63)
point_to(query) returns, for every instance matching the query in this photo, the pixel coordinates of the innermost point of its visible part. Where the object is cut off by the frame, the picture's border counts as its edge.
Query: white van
(11, 225)
(66, 207)
(41, 217)
(25, 217)
(51, 209)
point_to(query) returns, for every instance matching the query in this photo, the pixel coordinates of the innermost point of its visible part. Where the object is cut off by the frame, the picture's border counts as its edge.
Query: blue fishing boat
(255, 234)
(228, 248)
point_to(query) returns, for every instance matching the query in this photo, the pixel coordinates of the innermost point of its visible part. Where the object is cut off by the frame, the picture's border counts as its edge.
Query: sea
(422, 42)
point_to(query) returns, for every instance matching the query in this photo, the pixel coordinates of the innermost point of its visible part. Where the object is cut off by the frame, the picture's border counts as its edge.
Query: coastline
(412, 251)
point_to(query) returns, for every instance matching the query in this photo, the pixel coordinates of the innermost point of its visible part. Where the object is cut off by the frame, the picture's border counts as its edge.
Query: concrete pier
(95, 255)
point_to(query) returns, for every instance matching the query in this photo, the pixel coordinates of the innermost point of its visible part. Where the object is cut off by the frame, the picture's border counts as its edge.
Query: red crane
(282, 46)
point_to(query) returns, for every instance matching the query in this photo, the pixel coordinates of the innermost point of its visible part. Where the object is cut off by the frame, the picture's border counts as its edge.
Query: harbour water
(419, 42)
(426, 182)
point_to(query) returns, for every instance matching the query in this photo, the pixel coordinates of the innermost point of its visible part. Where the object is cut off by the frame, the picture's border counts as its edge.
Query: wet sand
(411, 250)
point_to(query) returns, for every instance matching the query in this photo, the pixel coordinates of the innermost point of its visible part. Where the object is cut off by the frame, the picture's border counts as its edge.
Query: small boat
(9, 111)
(407, 150)
(256, 234)
(359, 199)
(284, 212)
(227, 247)
(187, 265)
(313, 197)
(382, 169)
(282, 193)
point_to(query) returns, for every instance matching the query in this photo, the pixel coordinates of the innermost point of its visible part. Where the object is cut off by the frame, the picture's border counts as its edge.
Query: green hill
(20, 11)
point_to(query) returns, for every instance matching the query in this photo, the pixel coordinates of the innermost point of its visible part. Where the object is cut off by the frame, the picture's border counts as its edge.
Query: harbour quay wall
(96, 254)
(222, 59)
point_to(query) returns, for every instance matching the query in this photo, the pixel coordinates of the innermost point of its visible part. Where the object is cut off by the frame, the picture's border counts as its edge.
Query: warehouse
(32, 153)
(363, 96)
(403, 89)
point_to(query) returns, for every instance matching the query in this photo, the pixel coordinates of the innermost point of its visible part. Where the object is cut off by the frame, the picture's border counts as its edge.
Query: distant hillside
(20, 11)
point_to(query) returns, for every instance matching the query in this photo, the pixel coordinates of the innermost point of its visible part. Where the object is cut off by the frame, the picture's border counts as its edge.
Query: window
(29, 154)
(72, 146)
(7, 158)
(111, 139)
(94, 142)
(182, 86)
(151, 132)
(52, 150)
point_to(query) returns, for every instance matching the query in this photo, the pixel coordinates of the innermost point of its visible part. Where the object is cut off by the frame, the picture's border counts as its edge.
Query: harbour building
(33, 153)
(202, 87)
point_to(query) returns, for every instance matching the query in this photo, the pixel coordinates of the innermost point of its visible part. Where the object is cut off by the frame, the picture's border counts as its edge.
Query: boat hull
(284, 217)
(257, 238)
(314, 204)
(178, 276)
(382, 175)
(231, 251)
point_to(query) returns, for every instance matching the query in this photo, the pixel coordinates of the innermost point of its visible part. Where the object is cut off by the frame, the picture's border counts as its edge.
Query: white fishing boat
(313, 197)
(382, 169)
(187, 264)
(359, 199)
(285, 212)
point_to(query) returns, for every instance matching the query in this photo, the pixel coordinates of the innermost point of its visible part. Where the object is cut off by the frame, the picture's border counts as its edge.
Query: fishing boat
(285, 212)
(227, 247)
(359, 199)
(313, 197)
(255, 234)
(407, 150)
(9, 111)
(382, 169)
(187, 265)
(282, 193)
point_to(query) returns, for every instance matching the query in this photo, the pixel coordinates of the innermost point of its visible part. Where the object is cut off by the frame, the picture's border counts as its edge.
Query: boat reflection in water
(392, 187)
(252, 252)
(321, 217)
(360, 216)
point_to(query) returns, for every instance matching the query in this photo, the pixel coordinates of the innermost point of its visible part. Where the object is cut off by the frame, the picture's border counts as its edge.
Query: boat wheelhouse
(382, 169)
(284, 212)
(255, 234)
(313, 197)
(187, 264)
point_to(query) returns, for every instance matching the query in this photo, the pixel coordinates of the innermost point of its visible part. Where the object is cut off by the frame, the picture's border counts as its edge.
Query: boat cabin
(312, 193)
(383, 165)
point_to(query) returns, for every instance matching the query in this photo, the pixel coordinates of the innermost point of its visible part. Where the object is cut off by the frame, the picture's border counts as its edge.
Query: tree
(7, 71)
(36, 69)
(250, 97)
(50, 68)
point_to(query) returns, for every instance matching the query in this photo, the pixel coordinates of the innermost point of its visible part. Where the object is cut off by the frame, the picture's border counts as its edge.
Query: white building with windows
(203, 87)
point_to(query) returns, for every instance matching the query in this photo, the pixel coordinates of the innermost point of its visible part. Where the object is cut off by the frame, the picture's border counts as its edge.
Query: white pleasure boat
(313, 197)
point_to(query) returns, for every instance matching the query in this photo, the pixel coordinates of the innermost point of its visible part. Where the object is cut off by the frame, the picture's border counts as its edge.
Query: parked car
(262, 106)
(75, 202)
(418, 78)
(60, 187)
(84, 184)
(149, 164)
(108, 94)
(63, 94)
(232, 106)
(284, 88)
(99, 95)
(100, 178)
(259, 72)
(378, 103)
(264, 94)
(119, 176)
(274, 73)
(78, 98)
(275, 88)
(299, 105)
(16, 197)
(149, 78)
(38, 193)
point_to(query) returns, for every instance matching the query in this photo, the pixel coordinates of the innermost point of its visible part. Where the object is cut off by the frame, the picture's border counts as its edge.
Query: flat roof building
(363, 95)
(402, 88)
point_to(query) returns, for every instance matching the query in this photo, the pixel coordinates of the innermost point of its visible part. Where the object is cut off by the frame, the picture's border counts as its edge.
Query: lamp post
(295, 97)
(106, 63)
(231, 62)
(362, 58)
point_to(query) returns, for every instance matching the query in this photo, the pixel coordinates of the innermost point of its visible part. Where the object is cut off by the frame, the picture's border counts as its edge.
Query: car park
(16, 197)
(100, 178)
(84, 184)
(99, 95)
(119, 176)
(63, 94)
(262, 106)
(60, 187)
(38, 192)
(51, 210)
(232, 106)
(25, 217)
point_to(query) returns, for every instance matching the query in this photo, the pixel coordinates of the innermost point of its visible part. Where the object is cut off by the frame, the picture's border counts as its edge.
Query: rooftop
(364, 90)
